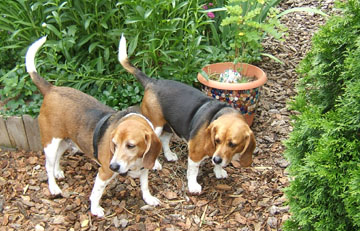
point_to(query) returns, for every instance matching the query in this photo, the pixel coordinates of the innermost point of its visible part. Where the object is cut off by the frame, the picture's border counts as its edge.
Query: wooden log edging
(20, 132)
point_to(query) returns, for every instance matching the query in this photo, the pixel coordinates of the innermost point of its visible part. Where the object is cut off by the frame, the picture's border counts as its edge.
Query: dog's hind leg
(51, 151)
(58, 172)
(165, 140)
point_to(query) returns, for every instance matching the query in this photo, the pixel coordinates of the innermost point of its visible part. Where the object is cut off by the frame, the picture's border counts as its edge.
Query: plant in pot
(238, 82)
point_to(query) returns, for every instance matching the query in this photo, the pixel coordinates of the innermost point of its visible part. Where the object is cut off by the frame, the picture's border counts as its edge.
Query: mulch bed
(249, 199)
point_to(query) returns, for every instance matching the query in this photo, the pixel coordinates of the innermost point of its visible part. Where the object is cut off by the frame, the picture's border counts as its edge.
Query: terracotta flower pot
(242, 96)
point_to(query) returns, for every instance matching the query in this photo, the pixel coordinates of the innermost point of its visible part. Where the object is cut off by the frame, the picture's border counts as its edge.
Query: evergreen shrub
(324, 147)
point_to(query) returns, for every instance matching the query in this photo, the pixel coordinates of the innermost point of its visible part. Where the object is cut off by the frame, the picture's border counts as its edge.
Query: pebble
(273, 210)
(272, 222)
(282, 163)
(38, 227)
(120, 223)
(124, 223)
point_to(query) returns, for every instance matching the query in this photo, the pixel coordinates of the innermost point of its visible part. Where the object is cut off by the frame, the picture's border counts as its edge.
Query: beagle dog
(211, 128)
(120, 142)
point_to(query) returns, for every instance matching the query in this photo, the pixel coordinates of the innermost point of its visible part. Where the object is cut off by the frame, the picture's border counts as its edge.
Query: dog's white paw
(157, 165)
(194, 187)
(97, 211)
(170, 156)
(151, 200)
(54, 189)
(220, 173)
(59, 174)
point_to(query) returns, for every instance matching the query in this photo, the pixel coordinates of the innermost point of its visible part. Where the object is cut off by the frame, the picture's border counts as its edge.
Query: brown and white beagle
(121, 142)
(211, 128)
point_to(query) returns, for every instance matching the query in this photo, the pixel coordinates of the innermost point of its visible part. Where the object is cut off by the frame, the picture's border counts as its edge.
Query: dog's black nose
(115, 167)
(217, 159)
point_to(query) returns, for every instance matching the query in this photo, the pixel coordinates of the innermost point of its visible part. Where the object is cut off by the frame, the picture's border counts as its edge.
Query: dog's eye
(130, 146)
(217, 141)
(231, 144)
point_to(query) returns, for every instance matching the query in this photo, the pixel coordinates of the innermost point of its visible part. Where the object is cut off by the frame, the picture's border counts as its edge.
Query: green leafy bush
(165, 39)
(239, 28)
(324, 147)
(249, 21)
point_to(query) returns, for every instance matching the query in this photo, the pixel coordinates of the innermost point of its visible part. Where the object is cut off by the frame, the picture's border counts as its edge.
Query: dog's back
(65, 112)
(76, 116)
(178, 102)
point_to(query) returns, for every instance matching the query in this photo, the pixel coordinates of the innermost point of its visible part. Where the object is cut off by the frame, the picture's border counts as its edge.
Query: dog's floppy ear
(211, 130)
(246, 154)
(112, 146)
(152, 151)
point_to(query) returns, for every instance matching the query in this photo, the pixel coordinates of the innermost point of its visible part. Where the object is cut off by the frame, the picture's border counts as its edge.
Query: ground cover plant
(164, 39)
(324, 147)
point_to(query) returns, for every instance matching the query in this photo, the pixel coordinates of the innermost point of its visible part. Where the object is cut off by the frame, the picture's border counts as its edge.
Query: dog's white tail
(30, 54)
(122, 56)
(40, 82)
(123, 59)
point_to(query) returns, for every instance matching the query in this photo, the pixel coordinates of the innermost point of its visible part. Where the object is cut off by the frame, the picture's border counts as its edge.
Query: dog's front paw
(59, 174)
(97, 211)
(151, 200)
(170, 156)
(220, 173)
(157, 165)
(54, 189)
(194, 188)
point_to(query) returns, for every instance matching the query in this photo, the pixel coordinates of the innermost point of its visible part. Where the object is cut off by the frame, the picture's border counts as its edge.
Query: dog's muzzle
(116, 168)
(217, 160)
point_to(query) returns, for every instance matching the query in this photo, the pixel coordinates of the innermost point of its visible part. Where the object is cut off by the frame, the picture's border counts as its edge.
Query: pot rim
(255, 71)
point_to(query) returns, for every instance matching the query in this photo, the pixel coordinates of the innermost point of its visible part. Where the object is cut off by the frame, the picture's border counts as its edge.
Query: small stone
(284, 209)
(196, 219)
(116, 222)
(84, 223)
(282, 163)
(272, 222)
(123, 223)
(38, 227)
(273, 210)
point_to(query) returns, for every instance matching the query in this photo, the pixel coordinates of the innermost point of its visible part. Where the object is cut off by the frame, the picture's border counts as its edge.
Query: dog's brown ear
(152, 151)
(211, 130)
(112, 147)
(246, 154)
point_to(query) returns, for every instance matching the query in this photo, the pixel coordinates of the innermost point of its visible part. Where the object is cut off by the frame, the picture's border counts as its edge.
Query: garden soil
(249, 199)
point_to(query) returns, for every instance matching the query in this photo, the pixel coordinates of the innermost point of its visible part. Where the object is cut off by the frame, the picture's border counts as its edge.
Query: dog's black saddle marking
(99, 132)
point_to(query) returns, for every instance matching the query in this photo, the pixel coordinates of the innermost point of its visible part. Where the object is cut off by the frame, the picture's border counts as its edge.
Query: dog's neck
(222, 111)
(140, 115)
(99, 132)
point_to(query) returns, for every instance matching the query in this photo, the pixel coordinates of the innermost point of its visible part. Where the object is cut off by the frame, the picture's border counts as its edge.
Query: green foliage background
(165, 39)
(324, 147)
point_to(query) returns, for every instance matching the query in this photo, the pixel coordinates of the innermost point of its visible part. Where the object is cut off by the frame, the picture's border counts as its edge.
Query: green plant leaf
(273, 58)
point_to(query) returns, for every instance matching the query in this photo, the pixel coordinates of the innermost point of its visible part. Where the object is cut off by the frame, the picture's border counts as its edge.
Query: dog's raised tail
(40, 82)
(123, 59)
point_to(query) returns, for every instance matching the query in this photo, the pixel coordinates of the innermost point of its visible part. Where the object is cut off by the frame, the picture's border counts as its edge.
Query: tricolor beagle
(120, 141)
(211, 128)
